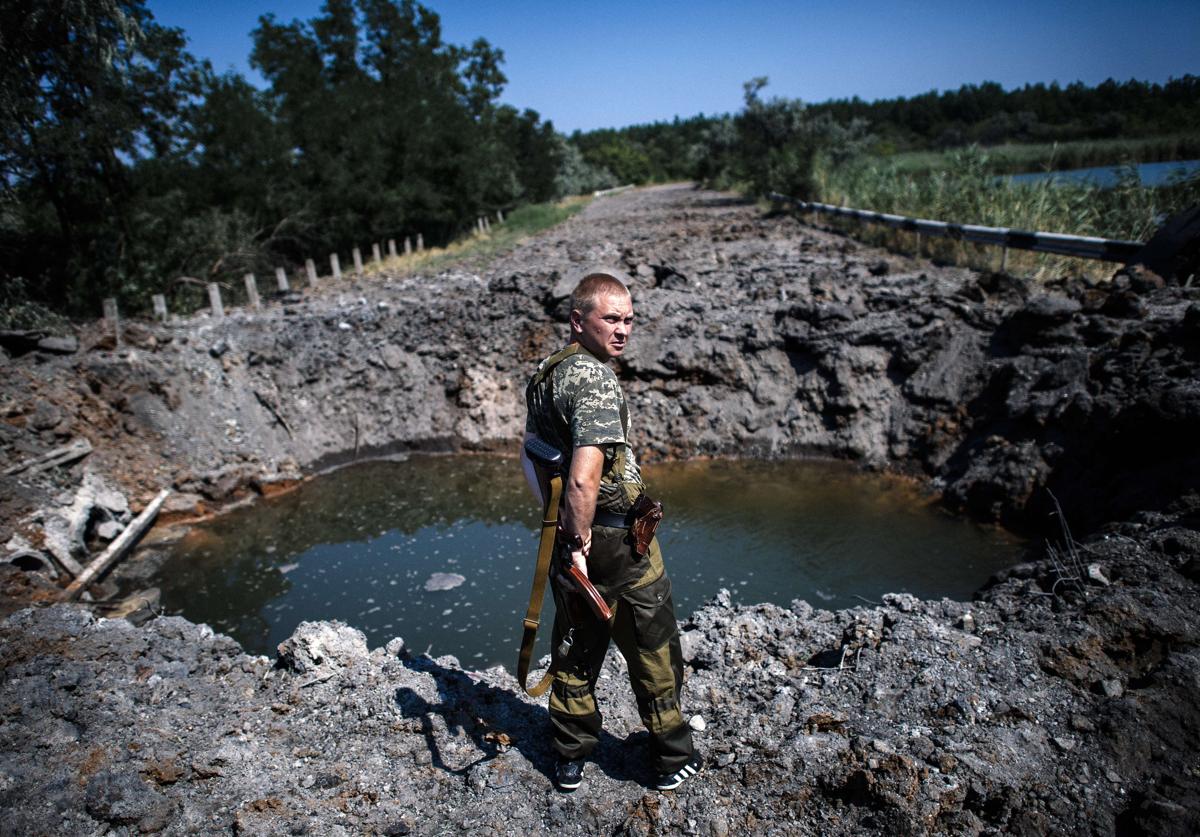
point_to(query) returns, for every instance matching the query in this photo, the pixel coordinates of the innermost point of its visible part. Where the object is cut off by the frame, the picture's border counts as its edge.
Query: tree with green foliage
(89, 90)
(394, 129)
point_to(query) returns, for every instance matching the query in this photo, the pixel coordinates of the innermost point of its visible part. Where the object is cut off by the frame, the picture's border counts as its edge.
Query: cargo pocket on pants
(653, 614)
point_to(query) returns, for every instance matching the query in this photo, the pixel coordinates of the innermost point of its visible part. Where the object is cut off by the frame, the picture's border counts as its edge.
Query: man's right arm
(583, 489)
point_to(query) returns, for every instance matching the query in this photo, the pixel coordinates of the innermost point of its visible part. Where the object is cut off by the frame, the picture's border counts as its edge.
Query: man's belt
(611, 519)
(641, 520)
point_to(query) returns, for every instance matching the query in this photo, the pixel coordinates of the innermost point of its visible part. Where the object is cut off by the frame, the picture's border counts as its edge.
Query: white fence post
(310, 270)
(160, 307)
(252, 291)
(375, 256)
(357, 262)
(281, 281)
(113, 318)
(214, 301)
(391, 248)
(499, 216)
(335, 266)
(420, 243)
(408, 245)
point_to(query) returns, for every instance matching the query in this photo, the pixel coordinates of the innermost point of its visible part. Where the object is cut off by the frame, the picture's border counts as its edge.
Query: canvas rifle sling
(545, 546)
(540, 575)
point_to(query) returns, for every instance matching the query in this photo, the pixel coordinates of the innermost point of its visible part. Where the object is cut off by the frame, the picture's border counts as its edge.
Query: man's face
(604, 331)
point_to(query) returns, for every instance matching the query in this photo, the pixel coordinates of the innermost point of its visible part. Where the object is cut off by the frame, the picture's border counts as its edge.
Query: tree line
(128, 163)
(729, 148)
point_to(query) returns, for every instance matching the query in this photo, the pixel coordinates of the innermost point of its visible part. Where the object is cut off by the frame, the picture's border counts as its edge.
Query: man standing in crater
(577, 406)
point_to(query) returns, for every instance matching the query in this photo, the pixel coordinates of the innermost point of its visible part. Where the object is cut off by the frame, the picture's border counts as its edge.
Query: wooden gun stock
(588, 590)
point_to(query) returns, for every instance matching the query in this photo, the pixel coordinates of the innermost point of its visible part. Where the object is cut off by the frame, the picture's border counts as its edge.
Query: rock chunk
(322, 647)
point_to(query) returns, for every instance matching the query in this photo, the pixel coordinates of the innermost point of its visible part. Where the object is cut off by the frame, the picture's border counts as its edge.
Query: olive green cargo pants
(645, 631)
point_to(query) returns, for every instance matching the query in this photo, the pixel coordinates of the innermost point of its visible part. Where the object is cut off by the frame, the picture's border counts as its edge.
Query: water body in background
(1150, 174)
(360, 544)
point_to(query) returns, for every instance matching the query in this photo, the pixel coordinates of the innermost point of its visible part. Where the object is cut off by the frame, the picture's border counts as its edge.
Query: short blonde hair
(595, 284)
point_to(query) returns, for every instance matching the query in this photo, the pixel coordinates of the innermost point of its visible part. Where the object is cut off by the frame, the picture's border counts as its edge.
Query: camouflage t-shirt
(588, 409)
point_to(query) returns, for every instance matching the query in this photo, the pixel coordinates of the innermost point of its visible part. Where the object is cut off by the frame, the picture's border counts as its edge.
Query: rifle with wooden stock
(550, 461)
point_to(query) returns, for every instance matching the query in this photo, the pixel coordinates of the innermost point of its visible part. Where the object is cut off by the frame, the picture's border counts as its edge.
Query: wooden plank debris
(77, 449)
(273, 410)
(117, 549)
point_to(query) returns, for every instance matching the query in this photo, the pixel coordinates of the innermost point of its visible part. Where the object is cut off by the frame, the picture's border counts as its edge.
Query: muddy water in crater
(359, 545)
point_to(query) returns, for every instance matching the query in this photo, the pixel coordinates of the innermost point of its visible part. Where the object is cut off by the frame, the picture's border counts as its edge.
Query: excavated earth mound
(1061, 700)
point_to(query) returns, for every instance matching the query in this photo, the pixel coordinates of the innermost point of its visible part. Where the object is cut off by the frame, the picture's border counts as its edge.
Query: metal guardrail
(1081, 246)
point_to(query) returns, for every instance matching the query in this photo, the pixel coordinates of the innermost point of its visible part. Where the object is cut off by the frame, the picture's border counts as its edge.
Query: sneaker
(670, 781)
(568, 775)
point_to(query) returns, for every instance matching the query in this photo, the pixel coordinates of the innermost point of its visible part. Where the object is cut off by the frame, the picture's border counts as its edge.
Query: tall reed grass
(1062, 156)
(967, 191)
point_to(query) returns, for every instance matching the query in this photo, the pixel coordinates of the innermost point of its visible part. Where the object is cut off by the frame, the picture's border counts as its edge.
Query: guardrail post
(281, 282)
(391, 248)
(311, 270)
(160, 307)
(214, 301)
(357, 261)
(252, 291)
(335, 265)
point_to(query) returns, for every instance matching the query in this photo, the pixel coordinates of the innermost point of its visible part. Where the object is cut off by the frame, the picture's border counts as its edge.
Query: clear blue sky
(609, 64)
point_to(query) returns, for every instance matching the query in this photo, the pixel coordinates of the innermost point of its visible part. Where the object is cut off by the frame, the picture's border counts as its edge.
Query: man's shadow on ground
(496, 719)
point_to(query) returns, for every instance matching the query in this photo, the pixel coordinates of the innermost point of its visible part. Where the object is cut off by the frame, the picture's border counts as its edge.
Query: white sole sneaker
(674, 780)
